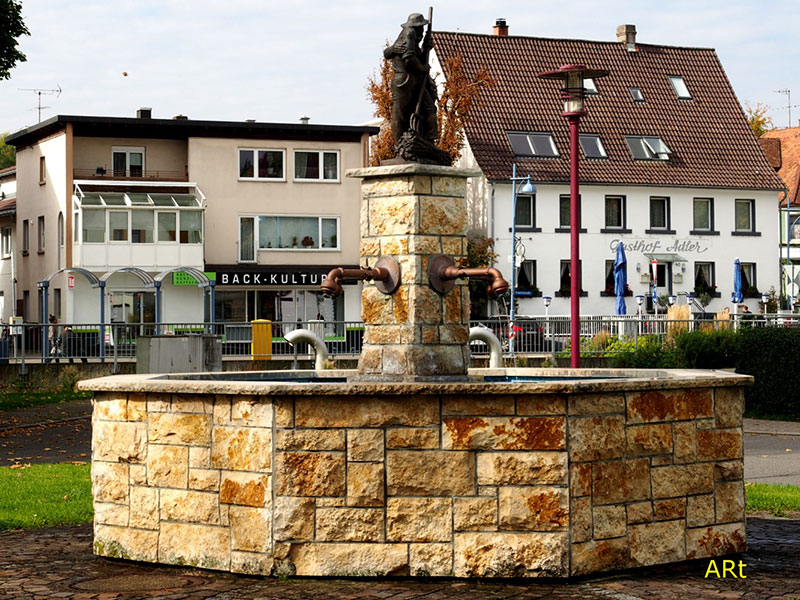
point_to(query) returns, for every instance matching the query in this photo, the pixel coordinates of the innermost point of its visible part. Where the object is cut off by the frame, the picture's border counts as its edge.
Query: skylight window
(533, 144)
(589, 87)
(679, 85)
(648, 148)
(636, 94)
(592, 146)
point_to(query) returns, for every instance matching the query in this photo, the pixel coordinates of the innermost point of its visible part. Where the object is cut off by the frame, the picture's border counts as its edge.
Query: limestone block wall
(448, 481)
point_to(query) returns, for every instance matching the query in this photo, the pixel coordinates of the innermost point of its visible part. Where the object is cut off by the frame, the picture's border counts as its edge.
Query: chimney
(500, 28)
(304, 120)
(144, 113)
(626, 34)
(180, 118)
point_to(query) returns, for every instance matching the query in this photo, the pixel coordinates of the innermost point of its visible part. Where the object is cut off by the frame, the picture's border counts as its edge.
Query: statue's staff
(416, 118)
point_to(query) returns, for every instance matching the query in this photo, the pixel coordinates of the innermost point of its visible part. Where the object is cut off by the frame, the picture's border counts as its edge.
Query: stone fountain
(414, 465)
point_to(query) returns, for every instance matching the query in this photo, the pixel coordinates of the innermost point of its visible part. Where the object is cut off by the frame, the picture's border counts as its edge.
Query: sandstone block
(434, 361)
(158, 402)
(378, 188)
(222, 410)
(425, 244)
(184, 403)
(649, 439)
(581, 519)
(392, 215)
(580, 479)
(111, 514)
(246, 489)
(199, 457)
(376, 307)
(522, 468)
(596, 404)
(504, 433)
(715, 444)
(347, 411)
(728, 407)
(443, 215)
(609, 521)
(640, 512)
(350, 525)
(449, 186)
(453, 333)
(137, 407)
(370, 246)
(110, 482)
(541, 404)
(251, 563)
(386, 334)
(716, 540)
(123, 542)
(430, 473)
(365, 445)
(475, 514)
(394, 245)
(115, 441)
(250, 529)
(484, 405)
(110, 407)
(700, 510)
(729, 501)
(729, 471)
(425, 305)
(294, 518)
(596, 556)
(621, 481)
(242, 449)
(596, 438)
(172, 428)
(533, 509)
(255, 411)
(661, 460)
(189, 506)
(674, 508)
(335, 501)
(417, 438)
(669, 405)
(657, 543)
(371, 359)
(144, 510)
(682, 480)
(167, 466)
(510, 555)
(452, 246)
(284, 412)
(365, 484)
(487, 491)
(204, 546)
(431, 560)
(310, 474)
(349, 560)
(685, 444)
(138, 474)
(419, 519)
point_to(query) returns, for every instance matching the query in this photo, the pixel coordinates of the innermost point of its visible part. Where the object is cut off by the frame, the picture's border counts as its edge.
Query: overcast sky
(275, 61)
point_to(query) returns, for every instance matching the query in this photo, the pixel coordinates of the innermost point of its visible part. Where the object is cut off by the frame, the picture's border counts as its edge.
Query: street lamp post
(789, 225)
(527, 188)
(573, 94)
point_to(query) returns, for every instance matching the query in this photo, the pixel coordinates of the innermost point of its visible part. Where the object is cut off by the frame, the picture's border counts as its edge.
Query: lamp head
(528, 187)
(547, 300)
(640, 300)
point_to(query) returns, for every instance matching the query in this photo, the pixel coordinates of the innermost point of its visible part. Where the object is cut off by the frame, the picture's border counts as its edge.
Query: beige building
(263, 209)
(8, 207)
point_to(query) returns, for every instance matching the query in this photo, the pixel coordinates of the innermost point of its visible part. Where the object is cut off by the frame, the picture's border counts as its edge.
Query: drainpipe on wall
(788, 237)
(490, 209)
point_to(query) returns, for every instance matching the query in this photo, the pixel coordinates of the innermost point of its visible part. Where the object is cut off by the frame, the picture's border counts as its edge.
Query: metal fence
(600, 335)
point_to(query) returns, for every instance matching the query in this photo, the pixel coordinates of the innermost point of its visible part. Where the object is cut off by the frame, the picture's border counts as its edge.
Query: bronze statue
(414, 123)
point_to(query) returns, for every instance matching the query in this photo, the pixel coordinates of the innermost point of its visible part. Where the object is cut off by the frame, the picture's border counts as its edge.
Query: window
(533, 144)
(167, 226)
(118, 225)
(261, 164)
(26, 239)
(526, 211)
(42, 171)
(127, 162)
(592, 146)
(679, 85)
(648, 148)
(526, 277)
(297, 233)
(247, 249)
(564, 213)
(40, 234)
(564, 290)
(94, 226)
(316, 166)
(660, 218)
(702, 215)
(610, 288)
(636, 94)
(60, 230)
(744, 216)
(749, 287)
(191, 227)
(589, 87)
(704, 279)
(615, 213)
(5, 243)
(142, 226)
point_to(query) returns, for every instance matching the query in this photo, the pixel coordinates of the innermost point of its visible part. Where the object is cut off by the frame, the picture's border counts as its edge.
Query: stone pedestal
(411, 213)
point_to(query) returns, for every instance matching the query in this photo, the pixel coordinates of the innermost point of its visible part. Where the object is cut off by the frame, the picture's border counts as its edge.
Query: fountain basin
(536, 472)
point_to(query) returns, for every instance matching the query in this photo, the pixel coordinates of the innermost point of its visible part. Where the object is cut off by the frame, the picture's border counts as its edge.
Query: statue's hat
(416, 20)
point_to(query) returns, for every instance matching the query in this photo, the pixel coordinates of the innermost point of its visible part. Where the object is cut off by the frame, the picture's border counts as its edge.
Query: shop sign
(294, 278)
(650, 246)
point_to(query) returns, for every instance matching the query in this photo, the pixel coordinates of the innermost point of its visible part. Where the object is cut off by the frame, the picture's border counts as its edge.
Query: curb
(43, 423)
(789, 433)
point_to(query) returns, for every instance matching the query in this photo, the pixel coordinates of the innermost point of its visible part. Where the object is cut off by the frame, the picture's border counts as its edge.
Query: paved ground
(57, 563)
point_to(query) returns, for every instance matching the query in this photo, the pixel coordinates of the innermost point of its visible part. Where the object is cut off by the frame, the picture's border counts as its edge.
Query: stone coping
(615, 380)
(412, 169)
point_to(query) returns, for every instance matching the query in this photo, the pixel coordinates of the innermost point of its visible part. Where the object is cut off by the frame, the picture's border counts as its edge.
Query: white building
(668, 166)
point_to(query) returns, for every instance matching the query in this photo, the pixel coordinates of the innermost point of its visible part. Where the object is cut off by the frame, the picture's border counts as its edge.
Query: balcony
(102, 174)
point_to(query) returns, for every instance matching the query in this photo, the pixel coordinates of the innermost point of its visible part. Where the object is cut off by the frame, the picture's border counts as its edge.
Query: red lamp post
(573, 95)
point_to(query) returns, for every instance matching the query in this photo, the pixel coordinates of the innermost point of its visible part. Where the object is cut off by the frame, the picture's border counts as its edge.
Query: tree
(758, 119)
(459, 95)
(8, 154)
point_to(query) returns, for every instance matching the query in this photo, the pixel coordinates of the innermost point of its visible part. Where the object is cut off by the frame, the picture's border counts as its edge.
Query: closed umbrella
(621, 279)
(738, 296)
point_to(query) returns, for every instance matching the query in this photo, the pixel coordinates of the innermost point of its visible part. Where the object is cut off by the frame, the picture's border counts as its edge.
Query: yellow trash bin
(261, 346)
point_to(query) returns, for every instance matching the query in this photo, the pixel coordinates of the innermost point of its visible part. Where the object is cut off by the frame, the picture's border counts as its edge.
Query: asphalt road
(772, 458)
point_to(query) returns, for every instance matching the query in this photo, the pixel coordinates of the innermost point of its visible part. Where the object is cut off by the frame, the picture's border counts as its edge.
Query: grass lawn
(10, 401)
(45, 495)
(776, 499)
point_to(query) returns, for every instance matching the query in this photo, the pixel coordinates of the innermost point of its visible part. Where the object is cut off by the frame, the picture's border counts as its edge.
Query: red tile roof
(711, 142)
(788, 142)
(8, 206)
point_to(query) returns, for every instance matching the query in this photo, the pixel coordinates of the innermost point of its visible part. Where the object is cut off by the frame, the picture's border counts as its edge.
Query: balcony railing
(102, 173)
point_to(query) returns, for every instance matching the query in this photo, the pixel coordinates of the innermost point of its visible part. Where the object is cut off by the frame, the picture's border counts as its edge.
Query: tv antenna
(39, 92)
(789, 105)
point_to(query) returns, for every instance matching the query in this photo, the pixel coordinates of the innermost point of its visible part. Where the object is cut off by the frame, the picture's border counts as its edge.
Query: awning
(665, 258)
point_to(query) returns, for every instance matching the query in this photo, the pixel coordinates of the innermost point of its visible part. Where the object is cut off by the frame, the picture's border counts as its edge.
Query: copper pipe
(497, 285)
(381, 272)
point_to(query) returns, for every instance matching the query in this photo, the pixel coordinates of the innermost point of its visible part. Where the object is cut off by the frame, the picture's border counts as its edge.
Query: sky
(277, 61)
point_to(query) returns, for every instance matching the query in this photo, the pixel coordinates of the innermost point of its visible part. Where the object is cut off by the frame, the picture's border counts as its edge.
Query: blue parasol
(621, 279)
(738, 296)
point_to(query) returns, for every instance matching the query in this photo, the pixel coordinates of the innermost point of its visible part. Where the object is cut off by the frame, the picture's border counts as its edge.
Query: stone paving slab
(57, 563)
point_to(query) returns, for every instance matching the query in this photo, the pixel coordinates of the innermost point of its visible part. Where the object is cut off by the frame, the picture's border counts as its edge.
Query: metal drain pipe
(297, 336)
(487, 336)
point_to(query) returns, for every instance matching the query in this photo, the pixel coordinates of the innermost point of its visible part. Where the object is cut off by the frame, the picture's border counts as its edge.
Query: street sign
(71, 281)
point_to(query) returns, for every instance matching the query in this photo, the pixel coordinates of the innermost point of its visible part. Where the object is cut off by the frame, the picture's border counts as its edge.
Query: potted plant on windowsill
(308, 241)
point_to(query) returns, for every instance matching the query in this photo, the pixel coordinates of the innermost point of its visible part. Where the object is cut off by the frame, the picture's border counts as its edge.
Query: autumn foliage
(458, 96)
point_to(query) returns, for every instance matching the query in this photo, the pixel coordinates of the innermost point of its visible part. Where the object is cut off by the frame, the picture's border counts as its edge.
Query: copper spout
(443, 272)
(385, 273)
